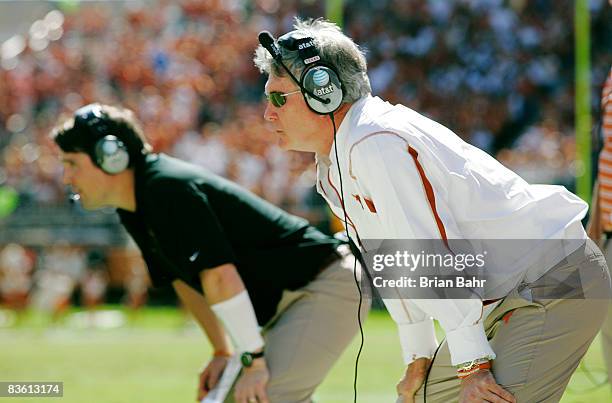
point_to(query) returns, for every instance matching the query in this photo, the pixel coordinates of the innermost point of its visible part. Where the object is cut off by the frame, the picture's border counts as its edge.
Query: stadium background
(500, 73)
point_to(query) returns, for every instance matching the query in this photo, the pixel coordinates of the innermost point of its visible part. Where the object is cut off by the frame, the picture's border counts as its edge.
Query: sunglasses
(278, 99)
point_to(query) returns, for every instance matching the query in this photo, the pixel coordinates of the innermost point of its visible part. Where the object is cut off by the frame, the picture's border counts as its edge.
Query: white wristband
(238, 317)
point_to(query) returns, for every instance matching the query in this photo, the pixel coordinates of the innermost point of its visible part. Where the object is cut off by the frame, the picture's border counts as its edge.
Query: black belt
(486, 302)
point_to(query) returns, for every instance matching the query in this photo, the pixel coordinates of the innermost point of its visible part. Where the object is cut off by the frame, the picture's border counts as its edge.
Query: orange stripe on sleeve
(431, 198)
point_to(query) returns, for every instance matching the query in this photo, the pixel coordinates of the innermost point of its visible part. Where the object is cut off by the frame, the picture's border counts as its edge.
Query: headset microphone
(267, 41)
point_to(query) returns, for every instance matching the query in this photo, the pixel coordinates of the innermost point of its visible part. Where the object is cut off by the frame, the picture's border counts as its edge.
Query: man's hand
(210, 375)
(413, 380)
(481, 386)
(251, 387)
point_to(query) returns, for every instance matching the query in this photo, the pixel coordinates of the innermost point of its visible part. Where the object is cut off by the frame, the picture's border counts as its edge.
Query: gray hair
(336, 49)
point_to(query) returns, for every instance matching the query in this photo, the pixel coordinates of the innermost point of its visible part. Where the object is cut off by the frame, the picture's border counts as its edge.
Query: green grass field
(156, 358)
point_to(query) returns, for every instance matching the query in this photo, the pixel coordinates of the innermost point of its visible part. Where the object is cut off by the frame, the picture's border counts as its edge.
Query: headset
(109, 153)
(320, 83)
(322, 90)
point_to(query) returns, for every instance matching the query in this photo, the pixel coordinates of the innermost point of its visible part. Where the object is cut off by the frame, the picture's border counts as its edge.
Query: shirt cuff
(418, 340)
(468, 344)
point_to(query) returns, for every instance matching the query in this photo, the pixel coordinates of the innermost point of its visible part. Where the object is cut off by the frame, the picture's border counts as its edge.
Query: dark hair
(72, 136)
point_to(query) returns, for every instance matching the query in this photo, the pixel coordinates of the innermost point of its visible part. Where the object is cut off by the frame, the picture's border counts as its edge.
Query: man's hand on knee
(210, 375)
(251, 387)
(481, 386)
(412, 380)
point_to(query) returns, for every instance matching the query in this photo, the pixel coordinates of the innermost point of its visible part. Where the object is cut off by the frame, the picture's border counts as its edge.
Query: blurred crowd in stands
(498, 72)
(491, 70)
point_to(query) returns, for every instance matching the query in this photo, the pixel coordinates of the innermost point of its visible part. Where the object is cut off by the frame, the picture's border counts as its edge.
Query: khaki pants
(311, 329)
(538, 342)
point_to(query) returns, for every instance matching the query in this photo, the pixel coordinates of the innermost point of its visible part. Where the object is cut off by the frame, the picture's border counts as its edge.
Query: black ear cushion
(111, 155)
(322, 81)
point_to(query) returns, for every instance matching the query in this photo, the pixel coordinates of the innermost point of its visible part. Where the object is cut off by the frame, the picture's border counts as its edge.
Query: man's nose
(270, 114)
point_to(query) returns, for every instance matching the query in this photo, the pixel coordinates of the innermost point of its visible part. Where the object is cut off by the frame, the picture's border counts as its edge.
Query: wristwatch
(247, 358)
(468, 368)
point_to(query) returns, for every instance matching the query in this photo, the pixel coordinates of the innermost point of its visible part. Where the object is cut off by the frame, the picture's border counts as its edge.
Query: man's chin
(285, 143)
(288, 146)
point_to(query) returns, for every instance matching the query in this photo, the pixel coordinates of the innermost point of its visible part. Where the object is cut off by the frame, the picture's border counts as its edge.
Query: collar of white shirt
(342, 132)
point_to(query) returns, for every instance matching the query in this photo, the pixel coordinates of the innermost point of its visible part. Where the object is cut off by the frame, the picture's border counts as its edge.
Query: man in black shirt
(228, 254)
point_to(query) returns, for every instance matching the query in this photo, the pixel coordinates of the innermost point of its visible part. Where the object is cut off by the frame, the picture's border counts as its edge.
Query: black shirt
(188, 220)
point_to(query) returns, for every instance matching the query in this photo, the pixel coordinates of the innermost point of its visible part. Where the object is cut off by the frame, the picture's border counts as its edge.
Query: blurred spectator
(543, 155)
(94, 281)
(61, 269)
(136, 287)
(16, 265)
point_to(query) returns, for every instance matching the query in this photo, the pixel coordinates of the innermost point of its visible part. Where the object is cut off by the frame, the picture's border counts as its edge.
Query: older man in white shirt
(390, 173)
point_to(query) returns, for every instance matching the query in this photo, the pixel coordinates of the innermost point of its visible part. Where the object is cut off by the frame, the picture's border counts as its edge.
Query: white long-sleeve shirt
(405, 176)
